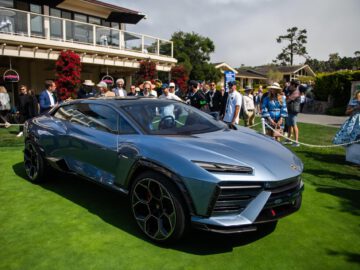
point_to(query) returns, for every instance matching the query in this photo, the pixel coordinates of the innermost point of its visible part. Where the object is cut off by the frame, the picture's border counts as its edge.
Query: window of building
(55, 12)
(115, 25)
(7, 3)
(55, 24)
(36, 21)
(36, 8)
(80, 18)
(66, 15)
(105, 23)
(94, 20)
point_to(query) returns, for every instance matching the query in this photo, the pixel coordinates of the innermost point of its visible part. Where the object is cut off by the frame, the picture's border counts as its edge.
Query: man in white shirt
(248, 107)
(166, 93)
(233, 106)
(119, 89)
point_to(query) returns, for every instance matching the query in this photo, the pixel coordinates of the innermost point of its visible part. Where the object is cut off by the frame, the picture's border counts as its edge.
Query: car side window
(96, 116)
(125, 127)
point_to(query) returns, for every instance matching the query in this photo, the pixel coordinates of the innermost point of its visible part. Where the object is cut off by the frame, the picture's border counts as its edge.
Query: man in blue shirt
(47, 98)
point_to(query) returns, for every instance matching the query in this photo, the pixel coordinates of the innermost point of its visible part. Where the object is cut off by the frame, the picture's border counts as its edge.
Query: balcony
(40, 29)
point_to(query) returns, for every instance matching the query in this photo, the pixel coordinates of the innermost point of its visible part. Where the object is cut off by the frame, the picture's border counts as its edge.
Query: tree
(335, 63)
(357, 59)
(274, 76)
(297, 39)
(193, 52)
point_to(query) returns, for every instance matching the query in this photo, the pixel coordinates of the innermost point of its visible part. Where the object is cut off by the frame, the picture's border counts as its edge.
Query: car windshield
(166, 117)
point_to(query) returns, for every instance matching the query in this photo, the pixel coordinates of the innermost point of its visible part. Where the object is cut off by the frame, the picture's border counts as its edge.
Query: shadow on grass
(349, 256)
(350, 198)
(113, 207)
(324, 157)
(323, 173)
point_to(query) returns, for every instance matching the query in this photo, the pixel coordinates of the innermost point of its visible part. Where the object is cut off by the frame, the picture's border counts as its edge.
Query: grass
(69, 223)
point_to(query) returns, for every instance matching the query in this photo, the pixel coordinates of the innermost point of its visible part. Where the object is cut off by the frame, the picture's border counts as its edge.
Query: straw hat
(88, 83)
(275, 86)
(141, 86)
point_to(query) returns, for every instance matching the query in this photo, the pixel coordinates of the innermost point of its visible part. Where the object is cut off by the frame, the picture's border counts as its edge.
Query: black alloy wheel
(33, 162)
(157, 209)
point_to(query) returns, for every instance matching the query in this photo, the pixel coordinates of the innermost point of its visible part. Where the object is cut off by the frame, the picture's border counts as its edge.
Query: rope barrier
(312, 145)
(7, 125)
(254, 125)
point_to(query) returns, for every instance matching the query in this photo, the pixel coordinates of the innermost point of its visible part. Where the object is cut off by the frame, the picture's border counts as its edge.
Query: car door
(93, 129)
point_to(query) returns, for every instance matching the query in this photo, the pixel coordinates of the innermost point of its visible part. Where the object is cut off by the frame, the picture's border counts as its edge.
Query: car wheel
(157, 207)
(34, 163)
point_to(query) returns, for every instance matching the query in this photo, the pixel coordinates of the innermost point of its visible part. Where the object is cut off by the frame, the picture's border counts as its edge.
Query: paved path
(321, 119)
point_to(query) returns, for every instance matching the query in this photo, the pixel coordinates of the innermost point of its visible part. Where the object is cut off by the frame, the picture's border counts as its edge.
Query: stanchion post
(263, 125)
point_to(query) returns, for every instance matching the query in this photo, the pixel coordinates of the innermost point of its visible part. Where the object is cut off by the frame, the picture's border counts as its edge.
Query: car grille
(232, 197)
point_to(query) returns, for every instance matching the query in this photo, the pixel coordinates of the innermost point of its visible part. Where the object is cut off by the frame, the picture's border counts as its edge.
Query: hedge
(337, 85)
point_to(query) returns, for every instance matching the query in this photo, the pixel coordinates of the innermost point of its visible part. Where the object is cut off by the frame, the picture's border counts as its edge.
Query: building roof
(248, 73)
(224, 66)
(98, 8)
(263, 70)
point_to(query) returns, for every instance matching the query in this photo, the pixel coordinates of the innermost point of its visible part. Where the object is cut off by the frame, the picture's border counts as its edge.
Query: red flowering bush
(180, 77)
(147, 71)
(68, 69)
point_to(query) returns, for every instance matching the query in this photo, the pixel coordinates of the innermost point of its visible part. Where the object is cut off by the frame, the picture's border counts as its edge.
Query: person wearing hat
(119, 90)
(233, 103)
(274, 110)
(87, 90)
(172, 88)
(293, 101)
(104, 91)
(166, 93)
(146, 87)
(248, 107)
(196, 97)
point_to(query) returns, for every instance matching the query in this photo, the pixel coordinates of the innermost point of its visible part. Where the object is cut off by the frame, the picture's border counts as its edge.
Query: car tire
(35, 165)
(158, 208)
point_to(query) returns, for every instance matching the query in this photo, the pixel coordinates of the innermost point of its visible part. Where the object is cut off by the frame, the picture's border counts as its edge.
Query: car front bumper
(265, 207)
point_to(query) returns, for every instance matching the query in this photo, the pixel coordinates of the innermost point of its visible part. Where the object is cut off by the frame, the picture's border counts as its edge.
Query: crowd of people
(278, 106)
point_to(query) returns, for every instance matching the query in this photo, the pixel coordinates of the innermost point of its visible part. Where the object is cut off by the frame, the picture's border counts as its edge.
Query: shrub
(147, 72)
(180, 76)
(337, 85)
(338, 111)
(68, 69)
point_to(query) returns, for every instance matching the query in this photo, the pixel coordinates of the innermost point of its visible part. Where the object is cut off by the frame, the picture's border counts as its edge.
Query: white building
(34, 32)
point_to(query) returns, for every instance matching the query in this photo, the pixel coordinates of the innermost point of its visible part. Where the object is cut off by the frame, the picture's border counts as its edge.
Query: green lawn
(69, 223)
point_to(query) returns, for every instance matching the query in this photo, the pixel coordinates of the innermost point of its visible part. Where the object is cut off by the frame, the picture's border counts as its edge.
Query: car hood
(269, 159)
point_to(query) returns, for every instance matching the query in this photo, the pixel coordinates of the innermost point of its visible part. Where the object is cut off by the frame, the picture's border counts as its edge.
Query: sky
(245, 31)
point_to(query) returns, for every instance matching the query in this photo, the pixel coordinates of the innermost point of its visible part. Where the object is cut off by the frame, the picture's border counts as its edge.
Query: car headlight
(219, 167)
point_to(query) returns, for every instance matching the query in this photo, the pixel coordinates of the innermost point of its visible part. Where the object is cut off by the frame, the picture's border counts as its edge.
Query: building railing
(22, 23)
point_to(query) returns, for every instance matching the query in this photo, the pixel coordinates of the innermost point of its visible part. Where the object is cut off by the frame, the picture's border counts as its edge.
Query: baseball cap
(102, 84)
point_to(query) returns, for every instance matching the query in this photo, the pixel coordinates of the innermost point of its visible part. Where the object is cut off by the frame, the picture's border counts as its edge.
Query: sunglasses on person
(146, 88)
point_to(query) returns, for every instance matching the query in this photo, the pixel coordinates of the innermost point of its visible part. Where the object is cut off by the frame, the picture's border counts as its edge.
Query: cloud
(245, 31)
